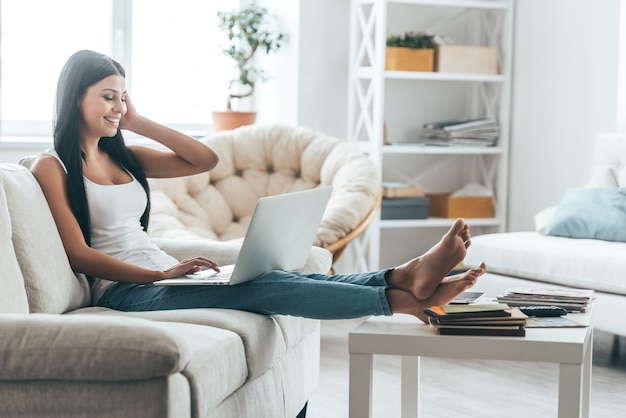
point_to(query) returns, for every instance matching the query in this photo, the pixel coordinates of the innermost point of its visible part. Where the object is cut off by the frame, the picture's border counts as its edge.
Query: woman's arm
(187, 156)
(84, 259)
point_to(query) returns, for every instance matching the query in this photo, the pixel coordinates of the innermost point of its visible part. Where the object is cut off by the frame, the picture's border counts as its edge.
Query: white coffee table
(405, 336)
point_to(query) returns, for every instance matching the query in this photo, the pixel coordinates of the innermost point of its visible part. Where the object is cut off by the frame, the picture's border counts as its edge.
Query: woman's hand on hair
(131, 115)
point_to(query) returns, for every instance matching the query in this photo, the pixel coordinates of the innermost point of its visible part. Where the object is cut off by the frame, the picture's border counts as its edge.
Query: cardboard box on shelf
(443, 205)
(466, 59)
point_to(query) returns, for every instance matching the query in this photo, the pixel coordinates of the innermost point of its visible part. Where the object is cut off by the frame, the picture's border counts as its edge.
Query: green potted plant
(413, 51)
(248, 31)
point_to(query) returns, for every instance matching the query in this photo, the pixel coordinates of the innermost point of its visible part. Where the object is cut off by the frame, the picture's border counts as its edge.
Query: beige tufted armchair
(264, 160)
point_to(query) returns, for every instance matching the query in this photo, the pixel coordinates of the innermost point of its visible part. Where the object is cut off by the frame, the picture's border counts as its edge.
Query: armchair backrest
(264, 160)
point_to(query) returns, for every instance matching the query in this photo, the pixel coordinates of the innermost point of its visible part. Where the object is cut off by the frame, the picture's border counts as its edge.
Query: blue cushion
(597, 213)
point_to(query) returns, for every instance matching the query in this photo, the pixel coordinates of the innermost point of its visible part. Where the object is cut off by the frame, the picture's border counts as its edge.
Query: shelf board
(435, 76)
(474, 4)
(435, 222)
(368, 72)
(431, 149)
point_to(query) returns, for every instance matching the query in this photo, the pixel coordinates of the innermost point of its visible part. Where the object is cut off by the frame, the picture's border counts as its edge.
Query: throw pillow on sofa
(594, 213)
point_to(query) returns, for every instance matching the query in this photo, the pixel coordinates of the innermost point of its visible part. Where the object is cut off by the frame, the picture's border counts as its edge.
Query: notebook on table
(280, 236)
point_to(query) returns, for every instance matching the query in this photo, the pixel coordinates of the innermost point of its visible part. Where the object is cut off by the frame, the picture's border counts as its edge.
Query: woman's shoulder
(48, 160)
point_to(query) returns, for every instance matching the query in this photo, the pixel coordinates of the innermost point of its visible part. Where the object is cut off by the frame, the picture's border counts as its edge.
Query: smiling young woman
(98, 194)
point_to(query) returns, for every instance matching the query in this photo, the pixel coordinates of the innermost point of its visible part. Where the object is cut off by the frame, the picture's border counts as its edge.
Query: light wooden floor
(467, 388)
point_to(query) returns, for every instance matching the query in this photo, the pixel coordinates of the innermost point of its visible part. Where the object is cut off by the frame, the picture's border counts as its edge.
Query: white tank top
(115, 212)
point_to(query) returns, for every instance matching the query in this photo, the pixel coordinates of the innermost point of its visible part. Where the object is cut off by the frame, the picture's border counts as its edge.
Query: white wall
(12, 154)
(309, 84)
(565, 91)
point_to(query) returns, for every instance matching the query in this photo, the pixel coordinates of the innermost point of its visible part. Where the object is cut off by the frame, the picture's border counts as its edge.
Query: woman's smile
(113, 121)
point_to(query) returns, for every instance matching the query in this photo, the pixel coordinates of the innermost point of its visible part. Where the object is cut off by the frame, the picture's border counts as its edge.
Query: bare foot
(423, 274)
(453, 277)
(401, 301)
(446, 292)
(451, 288)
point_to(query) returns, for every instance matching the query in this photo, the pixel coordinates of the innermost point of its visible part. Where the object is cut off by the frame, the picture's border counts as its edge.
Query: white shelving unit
(402, 101)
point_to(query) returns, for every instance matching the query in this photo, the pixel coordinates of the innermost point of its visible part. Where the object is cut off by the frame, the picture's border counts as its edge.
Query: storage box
(409, 59)
(397, 190)
(443, 205)
(405, 208)
(466, 59)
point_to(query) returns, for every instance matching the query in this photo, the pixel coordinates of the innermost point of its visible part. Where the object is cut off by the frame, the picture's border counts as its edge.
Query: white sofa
(565, 249)
(60, 357)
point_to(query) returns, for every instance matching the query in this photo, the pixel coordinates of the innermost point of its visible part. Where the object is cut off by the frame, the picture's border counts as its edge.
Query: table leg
(410, 386)
(587, 362)
(360, 392)
(570, 390)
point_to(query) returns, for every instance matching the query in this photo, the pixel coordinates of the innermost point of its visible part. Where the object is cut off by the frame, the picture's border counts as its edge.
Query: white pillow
(602, 177)
(543, 219)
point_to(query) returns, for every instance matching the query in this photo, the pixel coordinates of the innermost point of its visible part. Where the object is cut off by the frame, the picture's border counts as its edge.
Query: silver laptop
(280, 236)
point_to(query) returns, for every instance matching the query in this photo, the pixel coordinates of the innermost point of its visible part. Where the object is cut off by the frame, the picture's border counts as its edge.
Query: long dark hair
(82, 70)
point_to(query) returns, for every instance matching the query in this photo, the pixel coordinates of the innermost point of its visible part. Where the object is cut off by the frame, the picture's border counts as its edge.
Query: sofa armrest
(225, 252)
(87, 347)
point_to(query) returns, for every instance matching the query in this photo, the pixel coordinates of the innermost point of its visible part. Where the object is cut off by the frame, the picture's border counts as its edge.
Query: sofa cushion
(51, 285)
(578, 263)
(265, 338)
(13, 295)
(98, 348)
(594, 213)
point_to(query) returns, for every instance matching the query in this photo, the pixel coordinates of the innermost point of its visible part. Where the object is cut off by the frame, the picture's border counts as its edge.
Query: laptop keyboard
(210, 276)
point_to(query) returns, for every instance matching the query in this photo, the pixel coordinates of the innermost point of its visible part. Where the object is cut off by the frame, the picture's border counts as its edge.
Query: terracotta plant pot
(228, 120)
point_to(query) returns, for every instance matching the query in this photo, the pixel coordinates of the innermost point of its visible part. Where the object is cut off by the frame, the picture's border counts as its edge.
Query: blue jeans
(318, 296)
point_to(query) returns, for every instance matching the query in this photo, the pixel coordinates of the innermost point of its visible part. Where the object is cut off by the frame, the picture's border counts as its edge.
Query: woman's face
(102, 107)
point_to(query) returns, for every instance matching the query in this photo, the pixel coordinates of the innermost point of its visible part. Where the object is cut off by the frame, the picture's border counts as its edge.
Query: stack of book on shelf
(496, 319)
(572, 300)
(480, 132)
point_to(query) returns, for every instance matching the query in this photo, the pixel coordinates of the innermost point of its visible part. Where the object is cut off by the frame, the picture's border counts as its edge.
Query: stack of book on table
(572, 300)
(481, 132)
(496, 319)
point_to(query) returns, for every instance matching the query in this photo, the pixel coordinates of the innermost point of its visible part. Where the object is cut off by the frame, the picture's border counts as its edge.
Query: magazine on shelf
(457, 141)
(470, 125)
(481, 132)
